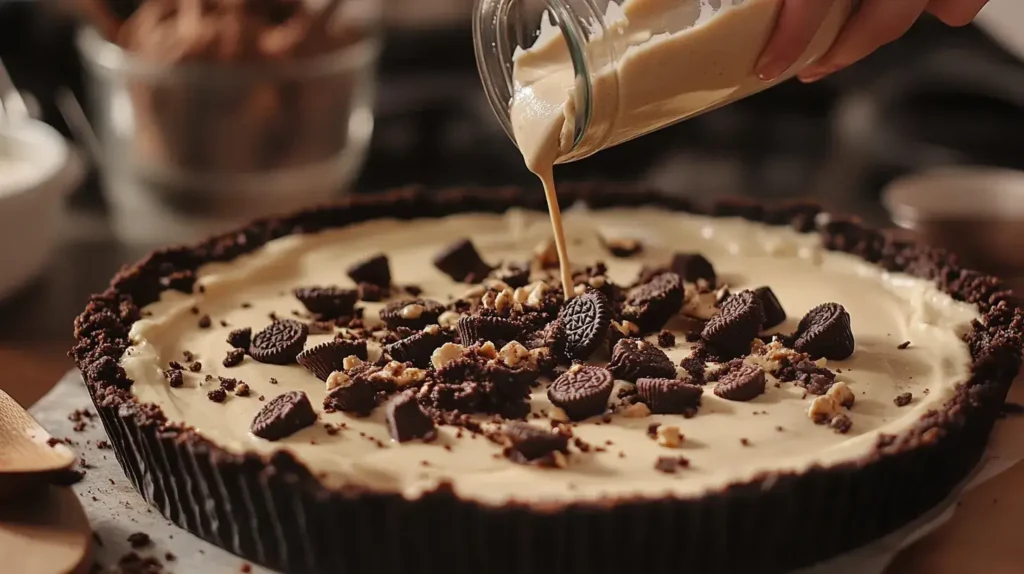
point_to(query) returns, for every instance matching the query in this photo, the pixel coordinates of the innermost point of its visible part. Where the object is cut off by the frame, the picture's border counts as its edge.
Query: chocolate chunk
(652, 304)
(903, 399)
(375, 271)
(730, 332)
(825, 331)
(356, 396)
(529, 443)
(139, 540)
(774, 314)
(585, 320)
(498, 330)
(370, 293)
(512, 274)
(240, 338)
(625, 247)
(417, 348)
(903, 345)
(841, 423)
(670, 464)
(411, 313)
(666, 339)
(279, 343)
(634, 359)
(327, 302)
(283, 416)
(692, 267)
(582, 391)
(744, 383)
(669, 396)
(406, 419)
(233, 358)
(461, 262)
(325, 358)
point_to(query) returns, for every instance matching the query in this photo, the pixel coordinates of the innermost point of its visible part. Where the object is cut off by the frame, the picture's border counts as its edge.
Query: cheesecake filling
(726, 442)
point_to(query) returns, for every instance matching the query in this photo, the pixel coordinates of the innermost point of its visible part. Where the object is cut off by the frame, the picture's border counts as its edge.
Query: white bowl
(37, 170)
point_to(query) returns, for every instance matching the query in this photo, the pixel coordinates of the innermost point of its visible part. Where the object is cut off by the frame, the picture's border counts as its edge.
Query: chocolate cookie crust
(274, 511)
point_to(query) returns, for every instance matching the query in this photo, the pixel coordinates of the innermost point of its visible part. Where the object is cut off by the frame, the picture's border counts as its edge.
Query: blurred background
(398, 101)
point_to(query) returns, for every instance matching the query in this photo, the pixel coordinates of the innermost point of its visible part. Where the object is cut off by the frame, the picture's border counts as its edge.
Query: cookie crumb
(841, 423)
(233, 358)
(669, 436)
(666, 339)
(217, 395)
(205, 322)
(903, 400)
(903, 345)
(139, 540)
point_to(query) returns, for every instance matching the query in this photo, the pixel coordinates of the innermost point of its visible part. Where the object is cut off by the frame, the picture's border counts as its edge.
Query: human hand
(873, 24)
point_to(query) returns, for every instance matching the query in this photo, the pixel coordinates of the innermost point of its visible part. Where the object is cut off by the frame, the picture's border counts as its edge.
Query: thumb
(795, 28)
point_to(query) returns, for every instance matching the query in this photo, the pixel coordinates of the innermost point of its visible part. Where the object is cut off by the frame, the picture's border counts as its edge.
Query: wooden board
(23, 444)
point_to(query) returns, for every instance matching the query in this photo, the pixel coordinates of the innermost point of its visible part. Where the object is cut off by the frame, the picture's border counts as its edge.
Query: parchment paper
(116, 510)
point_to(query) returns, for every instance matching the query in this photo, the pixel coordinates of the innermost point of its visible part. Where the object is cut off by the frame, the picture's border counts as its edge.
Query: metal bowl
(975, 212)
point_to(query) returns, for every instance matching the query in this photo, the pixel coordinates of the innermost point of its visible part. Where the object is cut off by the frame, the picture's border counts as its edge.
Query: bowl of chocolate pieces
(209, 112)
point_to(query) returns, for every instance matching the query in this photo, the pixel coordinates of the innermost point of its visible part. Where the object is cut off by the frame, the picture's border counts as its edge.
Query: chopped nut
(669, 436)
(350, 362)
(637, 411)
(488, 350)
(449, 319)
(445, 354)
(503, 302)
(597, 281)
(432, 329)
(842, 394)
(242, 390)
(536, 298)
(400, 375)
(822, 409)
(627, 328)
(413, 311)
(575, 368)
(514, 354)
(821, 362)
(579, 289)
(520, 295)
(337, 379)
(701, 304)
(539, 355)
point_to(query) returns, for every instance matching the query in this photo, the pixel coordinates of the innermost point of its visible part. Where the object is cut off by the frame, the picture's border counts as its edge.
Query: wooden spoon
(25, 448)
(45, 532)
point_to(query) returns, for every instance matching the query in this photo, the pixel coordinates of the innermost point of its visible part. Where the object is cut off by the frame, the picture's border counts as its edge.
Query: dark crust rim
(945, 444)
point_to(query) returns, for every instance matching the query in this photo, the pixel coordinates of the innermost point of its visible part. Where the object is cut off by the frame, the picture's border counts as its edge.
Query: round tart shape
(289, 506)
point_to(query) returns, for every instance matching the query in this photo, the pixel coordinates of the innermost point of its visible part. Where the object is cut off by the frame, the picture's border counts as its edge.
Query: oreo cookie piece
(825, 331)
(512, 274)
(283, 416)
(279, 343)
(406, 419)
(738, 322)
(774, 314)
(634, 359)
(743, 383)
(375, 271)
(692, 267)
(417, 348)
(498, 330)
(240, 338)
(325, 358)
(652, 304)
(461, 262)
(354, 395)
(411, 313)
(669, 396)
(529, 443)
(585, 320)
(582, 391)
(327, 302)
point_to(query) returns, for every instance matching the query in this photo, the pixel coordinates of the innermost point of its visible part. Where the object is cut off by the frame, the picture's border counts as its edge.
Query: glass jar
(602, 72)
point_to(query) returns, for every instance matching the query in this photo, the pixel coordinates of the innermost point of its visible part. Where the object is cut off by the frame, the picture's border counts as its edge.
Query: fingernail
(813, 74)
(810, 79)
(769, 69)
